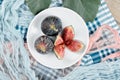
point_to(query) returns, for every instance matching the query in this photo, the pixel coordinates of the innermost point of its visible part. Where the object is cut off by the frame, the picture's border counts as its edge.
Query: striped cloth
(104, 16)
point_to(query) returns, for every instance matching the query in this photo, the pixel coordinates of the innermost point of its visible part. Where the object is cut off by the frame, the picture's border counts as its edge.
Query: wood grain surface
(114, 6)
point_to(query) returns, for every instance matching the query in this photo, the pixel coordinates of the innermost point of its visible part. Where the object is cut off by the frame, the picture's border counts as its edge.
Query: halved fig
(68, 33)
(75, 45)
(59, 51)
(43, 44)
(58, 40)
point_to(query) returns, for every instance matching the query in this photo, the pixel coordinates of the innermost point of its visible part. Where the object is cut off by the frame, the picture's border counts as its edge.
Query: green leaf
(37, 5)
(87, 9)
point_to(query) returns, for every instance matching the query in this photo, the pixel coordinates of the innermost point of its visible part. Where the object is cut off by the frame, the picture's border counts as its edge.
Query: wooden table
(114, 6)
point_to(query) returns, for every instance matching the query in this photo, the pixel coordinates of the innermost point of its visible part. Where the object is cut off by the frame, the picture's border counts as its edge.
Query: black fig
(51, 25)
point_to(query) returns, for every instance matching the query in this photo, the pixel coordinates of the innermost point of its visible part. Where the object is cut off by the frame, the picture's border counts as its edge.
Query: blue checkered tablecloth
(103, 16)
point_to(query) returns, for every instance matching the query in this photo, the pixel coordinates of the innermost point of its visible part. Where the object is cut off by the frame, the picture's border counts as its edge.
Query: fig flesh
(59, 51)
(59, 47)
(68, 33)
(75, 45)
(58, 40)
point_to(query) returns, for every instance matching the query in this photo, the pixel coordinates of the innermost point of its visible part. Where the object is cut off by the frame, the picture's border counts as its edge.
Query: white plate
(68, 17)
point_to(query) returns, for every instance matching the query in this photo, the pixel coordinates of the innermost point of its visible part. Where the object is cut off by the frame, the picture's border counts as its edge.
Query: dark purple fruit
(51, 25)
(44, 44)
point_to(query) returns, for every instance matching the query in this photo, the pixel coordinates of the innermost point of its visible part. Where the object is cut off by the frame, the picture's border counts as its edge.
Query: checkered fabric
(104, 16)
(97, 57)
(1, 1)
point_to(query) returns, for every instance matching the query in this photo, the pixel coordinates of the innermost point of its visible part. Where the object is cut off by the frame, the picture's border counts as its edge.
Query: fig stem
(52, 26)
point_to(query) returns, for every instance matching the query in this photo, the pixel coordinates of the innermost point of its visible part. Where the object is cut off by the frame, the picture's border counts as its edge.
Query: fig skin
(68, 33)
(51, 25)
(44, 44)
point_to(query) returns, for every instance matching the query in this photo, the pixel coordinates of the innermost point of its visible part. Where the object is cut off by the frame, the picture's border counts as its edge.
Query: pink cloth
(114, 41)
(98, 43)
(112, 56)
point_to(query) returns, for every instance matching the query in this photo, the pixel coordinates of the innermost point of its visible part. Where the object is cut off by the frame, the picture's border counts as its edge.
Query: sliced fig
(75, 45)
(59, 51)
(51, 25)
(44, 44)
(58, 40)
(68, 33)
(68, 42)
